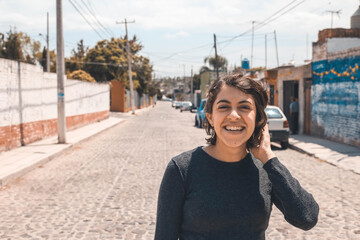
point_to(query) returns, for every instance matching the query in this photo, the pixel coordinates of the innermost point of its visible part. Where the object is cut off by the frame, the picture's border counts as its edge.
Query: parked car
(185, 106)
(278, 126)
(173, 103)
(166, 99)
(200, 115)
(178, 105)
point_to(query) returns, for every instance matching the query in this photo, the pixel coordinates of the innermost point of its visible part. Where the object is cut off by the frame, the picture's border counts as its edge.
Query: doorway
(291, 89)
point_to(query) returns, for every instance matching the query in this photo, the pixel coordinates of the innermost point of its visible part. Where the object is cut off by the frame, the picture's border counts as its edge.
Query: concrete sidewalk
(338, 154)
(19, 161)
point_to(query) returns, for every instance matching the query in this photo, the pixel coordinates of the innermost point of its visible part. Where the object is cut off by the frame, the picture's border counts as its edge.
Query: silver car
(185, 106)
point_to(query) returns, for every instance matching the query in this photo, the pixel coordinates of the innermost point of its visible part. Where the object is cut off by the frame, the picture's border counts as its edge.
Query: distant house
(289, 81)
(207, 76)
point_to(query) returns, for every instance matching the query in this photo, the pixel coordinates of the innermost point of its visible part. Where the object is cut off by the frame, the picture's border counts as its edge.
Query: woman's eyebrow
(223, 101)
(226, 101)
(245, 101)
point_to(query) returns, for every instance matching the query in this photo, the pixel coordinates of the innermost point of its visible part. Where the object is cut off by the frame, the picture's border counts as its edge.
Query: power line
(101, 37)
(184, 51)
(281, 14)
(277, 12)
(86, 14)
(264, 22)
(96, 19)
(93, 10)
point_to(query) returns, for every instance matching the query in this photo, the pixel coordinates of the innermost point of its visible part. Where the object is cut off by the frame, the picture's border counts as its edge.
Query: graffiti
(335, 98)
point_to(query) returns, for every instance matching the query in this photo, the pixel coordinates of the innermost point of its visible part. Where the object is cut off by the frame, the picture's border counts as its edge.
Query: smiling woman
(226, 190)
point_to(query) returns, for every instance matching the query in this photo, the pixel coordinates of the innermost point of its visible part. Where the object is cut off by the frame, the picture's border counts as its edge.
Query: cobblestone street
(106, 188)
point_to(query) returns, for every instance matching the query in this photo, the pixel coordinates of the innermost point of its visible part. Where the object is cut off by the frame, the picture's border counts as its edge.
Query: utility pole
(60, 70)
(216, 59)
(184, 83)
(47, 46)
(277, 54)
(132, 100)
(265, 51)
(307, 46)
(192, 87)
(252, 45)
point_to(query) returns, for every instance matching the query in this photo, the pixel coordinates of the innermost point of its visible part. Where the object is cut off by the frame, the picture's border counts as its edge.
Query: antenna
(332, 14)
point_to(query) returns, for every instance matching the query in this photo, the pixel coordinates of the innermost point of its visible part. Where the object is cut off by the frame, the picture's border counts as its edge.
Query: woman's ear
(209, 118)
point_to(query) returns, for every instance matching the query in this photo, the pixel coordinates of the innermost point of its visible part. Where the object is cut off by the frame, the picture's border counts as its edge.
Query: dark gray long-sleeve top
(202, 198)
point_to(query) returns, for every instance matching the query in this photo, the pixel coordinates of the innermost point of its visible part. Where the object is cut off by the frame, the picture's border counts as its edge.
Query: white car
(185, 106)
(278, 126)
(173, 104)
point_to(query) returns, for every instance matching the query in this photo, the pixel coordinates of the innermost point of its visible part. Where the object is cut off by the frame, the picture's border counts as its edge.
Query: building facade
(335, 89)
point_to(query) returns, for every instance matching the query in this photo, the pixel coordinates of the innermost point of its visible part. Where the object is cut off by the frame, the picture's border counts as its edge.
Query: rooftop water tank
(245, 64)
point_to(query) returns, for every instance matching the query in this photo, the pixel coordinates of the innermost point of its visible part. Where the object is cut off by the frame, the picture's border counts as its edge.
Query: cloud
(176, 35)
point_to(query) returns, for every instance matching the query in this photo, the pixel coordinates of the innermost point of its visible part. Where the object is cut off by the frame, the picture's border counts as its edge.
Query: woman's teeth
(234, 128)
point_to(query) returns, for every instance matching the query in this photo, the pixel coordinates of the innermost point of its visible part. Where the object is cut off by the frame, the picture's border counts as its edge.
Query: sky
(178, 34)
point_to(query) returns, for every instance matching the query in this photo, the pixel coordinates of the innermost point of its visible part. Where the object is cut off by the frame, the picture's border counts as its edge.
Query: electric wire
(101, 37)
(96, 19)
(264, 22)
(92, 19)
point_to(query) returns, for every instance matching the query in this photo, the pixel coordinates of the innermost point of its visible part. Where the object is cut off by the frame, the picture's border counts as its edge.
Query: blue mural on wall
(335, 98)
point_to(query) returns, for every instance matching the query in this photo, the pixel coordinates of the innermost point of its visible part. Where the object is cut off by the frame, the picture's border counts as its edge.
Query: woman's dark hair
(248, 86)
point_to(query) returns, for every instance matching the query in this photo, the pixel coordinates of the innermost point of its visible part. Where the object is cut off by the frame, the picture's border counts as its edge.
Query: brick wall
(28, 103)
(338, 33)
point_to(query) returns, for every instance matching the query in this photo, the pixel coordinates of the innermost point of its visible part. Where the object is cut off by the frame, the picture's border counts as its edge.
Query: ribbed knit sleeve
(170, 204)
(298, 206)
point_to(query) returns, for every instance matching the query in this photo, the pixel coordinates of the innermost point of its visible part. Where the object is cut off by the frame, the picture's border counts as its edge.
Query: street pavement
(106, 187)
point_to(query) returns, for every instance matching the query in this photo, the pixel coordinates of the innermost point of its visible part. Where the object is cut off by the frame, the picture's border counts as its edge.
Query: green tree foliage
(18, 46)
(81, 75)
(220, 62)
(143, 75)
(112, 53)
(75, 62)
(154, 89)
(41, 58)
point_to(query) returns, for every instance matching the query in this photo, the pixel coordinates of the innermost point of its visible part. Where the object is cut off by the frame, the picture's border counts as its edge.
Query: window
(273, 113)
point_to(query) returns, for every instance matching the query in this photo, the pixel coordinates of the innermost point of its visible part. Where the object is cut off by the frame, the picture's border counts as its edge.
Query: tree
(143, 71)
(19, 46)
(220, 62)
(75, 62)
(112, 53)
(81, 51)
(41, 58)
(81, 75)
(154, 89)
(113, 56)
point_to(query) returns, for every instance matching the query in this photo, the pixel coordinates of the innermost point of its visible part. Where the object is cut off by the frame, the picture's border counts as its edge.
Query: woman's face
(233, 117)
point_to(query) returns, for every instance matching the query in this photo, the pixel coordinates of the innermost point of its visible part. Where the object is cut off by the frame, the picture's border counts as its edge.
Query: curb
(15, 172)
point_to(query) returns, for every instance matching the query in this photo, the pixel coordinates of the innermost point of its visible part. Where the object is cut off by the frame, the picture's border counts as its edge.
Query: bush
(81, 75)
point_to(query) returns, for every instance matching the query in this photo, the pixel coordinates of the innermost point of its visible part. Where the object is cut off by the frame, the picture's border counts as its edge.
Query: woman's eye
(223, 107)
(245, 107)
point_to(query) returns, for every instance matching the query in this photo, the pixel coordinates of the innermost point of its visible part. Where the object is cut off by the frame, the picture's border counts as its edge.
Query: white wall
(27, 94)
(340, 44)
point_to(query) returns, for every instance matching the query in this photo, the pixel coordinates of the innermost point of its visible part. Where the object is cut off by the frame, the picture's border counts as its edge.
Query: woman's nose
(234, 115)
